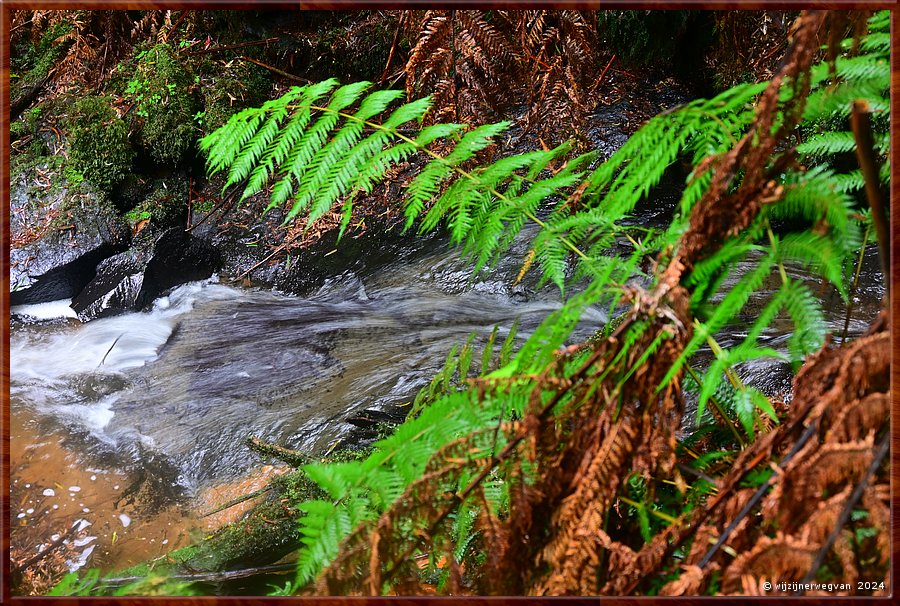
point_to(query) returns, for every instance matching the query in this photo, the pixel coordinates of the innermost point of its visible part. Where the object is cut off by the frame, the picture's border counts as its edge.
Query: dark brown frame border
(7, 5)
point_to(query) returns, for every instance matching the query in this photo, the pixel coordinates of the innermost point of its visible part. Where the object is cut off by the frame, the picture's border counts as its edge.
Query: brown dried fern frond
(829, 383)
(477, 64)
(465, 63)
(148, 26)
(771, 559)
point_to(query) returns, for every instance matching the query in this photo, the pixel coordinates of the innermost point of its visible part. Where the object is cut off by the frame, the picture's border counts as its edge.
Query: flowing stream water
(128, 422)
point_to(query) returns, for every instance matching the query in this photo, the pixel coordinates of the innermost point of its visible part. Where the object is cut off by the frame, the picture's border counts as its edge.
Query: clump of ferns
(317, 152)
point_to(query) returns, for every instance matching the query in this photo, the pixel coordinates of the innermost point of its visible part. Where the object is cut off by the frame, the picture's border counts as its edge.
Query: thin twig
(266, 259)
(216, 49)
(810, 430)
(602, 75)
(110, 349)
(384, 74)
(174, 27)
(859, 262)
(221, 203)
(275, 70)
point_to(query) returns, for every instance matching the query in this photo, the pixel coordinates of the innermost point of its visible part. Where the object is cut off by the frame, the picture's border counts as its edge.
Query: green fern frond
(321, 152)
(809, 322)
(828, 143)
(726, 359)
(725, 311)
(811, 250)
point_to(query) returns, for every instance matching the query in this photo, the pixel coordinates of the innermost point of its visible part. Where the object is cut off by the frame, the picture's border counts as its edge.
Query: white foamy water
(75, 371)
(105, 345)
(45, 311)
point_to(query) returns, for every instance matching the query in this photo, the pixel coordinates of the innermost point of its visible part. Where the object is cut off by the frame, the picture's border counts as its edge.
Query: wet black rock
(115, 287)
(66, 280)
(133, 279)
(178, 257)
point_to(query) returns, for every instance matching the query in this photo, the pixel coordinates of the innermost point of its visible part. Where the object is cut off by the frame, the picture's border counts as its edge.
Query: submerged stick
(293, 458)
(226, 575)
(237, 501)
(42, 554)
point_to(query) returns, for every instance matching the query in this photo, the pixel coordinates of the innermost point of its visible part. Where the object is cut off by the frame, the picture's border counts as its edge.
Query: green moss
(296, 487)
(17, 130)
(231, 89)
(99, 147)
(161, 90)
(267, 533)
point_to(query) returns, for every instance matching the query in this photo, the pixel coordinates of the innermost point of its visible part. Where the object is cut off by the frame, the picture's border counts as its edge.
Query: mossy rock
(165, 206)
(99, 147)
(266, 534)
(162, 91)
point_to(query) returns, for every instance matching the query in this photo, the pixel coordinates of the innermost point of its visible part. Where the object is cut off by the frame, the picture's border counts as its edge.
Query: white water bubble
(30, 510)
(125, 519)
(74, 488)
(49, 492)
(20, 516)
